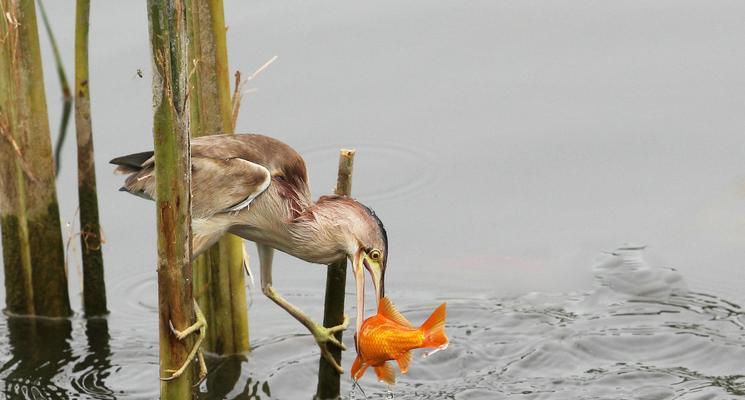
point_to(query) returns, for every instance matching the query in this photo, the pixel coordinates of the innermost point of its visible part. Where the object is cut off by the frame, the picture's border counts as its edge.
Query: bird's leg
(201, 326)
(320, 333)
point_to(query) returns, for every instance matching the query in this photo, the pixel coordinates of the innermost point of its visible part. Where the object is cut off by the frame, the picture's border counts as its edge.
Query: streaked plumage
(256, 187)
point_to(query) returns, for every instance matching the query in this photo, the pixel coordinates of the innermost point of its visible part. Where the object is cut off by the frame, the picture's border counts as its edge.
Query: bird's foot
(325, 336)
(196, 351)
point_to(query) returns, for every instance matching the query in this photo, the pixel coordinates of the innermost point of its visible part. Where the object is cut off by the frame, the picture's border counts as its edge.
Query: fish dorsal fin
(388, 310)
(404, 361)
(385, 373)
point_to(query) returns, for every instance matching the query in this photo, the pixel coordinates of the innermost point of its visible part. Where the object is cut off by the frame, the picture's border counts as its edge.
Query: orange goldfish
(389, 336)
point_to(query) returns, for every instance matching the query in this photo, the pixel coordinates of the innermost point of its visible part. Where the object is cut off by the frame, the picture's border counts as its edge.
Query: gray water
(510, 147)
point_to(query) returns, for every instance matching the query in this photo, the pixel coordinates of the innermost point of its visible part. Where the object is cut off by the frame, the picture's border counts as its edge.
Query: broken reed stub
(329, 380)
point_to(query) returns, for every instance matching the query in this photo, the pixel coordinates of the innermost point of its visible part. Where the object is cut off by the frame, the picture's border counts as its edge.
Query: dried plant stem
(240, 84)
(218, 273)
(94, 288)
(237, 97)
(168, 38)
(66, 94)
(336, 279)
(33, 255)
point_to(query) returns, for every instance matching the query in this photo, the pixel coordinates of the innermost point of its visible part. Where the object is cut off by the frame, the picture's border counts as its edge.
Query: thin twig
(193, 71)
(71, 234)
(262, 68)
(238, 90)
(5, 133)
(237, 96)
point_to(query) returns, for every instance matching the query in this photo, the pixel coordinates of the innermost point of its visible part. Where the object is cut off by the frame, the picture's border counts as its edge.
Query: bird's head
(369, 252)
(369, 247)
(365, 242)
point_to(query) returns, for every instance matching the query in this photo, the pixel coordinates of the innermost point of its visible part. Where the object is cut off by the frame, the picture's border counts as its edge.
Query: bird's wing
(225, 185)
(280, 159)
(218, 185)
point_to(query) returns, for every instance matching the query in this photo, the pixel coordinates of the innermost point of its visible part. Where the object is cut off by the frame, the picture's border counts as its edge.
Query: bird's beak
(375, 268)
(359, 278)
(362, 261)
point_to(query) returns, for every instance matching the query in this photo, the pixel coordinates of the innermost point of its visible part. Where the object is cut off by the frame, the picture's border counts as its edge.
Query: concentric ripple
(137, 297)
(385, 171)
(537, 346)
(605, 343)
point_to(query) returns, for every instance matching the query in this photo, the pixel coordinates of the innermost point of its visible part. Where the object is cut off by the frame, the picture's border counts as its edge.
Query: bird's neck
(320, 234)
(312, 231)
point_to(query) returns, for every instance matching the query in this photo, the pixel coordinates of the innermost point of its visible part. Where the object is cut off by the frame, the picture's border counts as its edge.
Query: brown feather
(228, 171)
(279, 158)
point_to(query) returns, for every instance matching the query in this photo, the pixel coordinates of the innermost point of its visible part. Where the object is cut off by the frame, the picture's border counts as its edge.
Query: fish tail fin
(358, 369)
(385, 373)
(434, 329)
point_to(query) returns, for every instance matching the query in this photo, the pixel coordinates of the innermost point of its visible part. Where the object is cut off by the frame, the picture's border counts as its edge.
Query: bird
(256, 187)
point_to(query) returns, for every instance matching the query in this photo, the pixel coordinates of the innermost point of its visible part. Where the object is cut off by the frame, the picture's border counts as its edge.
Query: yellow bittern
(256, 187)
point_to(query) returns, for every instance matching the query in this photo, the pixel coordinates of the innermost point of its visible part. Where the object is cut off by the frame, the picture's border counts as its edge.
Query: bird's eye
(375, 254)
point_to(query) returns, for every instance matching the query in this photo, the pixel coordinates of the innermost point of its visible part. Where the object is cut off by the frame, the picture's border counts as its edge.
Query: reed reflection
(225, 378)
(93, 369)
(40, 351)
(42, 363)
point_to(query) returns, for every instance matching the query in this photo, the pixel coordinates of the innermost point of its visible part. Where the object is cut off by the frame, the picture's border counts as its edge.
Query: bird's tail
(434, 329)
(139, 168)
(132, 162)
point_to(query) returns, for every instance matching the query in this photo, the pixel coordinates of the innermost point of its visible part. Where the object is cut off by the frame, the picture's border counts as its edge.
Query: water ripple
(600, 344)
(395, 171)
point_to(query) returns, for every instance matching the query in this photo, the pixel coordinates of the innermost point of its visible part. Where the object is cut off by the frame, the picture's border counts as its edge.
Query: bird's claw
(325, 336)
(201, 326)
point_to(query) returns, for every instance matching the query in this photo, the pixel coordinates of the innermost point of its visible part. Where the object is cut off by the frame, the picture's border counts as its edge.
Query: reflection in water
(94, 367)
(254, 390)
(640, 333)
(224, 381)
(42, 362)
(40, 351)
(223, 376)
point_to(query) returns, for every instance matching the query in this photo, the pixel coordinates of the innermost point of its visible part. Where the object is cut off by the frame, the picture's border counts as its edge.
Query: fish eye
(375, 254)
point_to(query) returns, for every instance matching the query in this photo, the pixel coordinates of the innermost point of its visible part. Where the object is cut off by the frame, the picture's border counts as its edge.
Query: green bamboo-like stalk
(219, 281)
(336, 280)
(94, 289)
(66, 94)
(173, 201)
(33, 256)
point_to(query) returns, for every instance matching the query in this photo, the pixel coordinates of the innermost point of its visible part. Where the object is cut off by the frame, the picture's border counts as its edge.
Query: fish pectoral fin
(385, 373)
(388, 310)
(358, 368)
(404, 361)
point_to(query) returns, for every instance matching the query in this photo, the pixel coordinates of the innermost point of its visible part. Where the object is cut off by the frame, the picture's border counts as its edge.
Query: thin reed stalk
(336, 279)
(94, 288)
(33, 255)
(66, 93)
(219, 280)
(168, 38)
